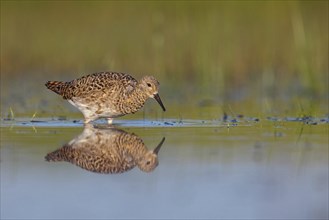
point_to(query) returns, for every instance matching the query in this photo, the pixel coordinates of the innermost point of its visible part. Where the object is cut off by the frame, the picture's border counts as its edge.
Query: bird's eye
(148, 84)
(148, 162)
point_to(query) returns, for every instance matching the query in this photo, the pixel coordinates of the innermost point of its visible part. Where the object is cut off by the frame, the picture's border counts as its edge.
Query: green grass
(222, 51)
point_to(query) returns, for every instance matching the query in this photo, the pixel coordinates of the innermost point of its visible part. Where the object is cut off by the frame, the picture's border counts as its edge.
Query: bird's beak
(157, 97)
(157, 149)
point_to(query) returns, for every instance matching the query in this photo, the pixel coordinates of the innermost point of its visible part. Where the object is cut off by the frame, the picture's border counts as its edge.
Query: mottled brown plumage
(107, 94)
(107, 150)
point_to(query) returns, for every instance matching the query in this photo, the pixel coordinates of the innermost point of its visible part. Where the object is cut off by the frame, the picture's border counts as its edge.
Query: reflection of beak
(157, 149)
(157, 97)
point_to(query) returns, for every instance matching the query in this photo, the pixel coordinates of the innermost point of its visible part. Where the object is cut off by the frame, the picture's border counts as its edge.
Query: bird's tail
(54, 156)
(56, 86)
(61, 154)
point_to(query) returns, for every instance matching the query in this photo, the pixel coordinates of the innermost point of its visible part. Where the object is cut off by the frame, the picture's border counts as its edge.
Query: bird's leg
(109, 121)
(87, 121)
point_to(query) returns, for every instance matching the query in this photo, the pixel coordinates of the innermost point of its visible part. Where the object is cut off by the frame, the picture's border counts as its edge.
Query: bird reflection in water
(107, 150)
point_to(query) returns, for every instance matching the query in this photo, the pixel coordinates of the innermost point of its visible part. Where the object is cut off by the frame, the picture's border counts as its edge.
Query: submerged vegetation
(254, 56)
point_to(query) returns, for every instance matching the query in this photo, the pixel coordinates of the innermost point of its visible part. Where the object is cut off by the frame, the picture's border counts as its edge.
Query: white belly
(94, 110)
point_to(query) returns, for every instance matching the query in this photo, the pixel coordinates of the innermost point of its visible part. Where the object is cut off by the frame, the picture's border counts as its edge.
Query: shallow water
(207, 169)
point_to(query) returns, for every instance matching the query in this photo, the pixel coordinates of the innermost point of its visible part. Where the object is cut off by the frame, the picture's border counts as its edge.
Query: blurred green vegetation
(204, 53)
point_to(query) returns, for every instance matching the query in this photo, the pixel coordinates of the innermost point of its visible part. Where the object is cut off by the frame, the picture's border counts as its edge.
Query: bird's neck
(134, 101)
